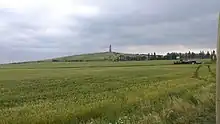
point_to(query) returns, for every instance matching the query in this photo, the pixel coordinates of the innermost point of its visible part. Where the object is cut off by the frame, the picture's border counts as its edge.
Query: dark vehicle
(187, 62)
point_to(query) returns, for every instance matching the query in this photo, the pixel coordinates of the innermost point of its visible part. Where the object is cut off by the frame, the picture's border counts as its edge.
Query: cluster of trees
(191, 55)
(136, 57)
(168, 56)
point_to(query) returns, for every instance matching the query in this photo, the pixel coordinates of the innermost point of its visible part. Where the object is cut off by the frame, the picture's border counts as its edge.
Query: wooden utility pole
(218, 75)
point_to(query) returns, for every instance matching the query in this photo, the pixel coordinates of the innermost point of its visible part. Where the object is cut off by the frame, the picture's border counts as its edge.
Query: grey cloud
(175, 27)
(121, 23)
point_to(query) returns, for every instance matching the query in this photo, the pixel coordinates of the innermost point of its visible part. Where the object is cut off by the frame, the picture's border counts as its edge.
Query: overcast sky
(38, 29)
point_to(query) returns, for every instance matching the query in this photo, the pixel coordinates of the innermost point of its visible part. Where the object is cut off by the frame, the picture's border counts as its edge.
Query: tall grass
(163, 94)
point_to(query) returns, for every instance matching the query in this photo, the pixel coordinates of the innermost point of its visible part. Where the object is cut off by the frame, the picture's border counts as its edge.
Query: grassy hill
(102, 56)
(90, 56)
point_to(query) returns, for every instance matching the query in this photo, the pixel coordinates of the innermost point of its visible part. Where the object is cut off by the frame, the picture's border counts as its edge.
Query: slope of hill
(102, 56)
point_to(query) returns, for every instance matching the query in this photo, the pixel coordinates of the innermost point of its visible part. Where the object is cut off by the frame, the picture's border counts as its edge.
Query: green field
(153, 92)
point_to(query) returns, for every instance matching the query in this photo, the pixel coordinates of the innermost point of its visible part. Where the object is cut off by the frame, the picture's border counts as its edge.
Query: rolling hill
(102, 56)
(90, 56)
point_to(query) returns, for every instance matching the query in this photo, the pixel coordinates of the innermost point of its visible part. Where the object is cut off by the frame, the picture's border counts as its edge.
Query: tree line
(168, 56)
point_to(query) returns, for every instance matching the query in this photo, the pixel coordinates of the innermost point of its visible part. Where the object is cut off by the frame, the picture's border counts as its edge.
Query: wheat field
(154, 92)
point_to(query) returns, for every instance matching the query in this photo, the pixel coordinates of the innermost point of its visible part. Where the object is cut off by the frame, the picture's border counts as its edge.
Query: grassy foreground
(98, 93)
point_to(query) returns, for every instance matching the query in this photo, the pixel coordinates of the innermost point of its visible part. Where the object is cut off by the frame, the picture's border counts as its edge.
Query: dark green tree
(155, 56)
(193, 55)
(208, 55)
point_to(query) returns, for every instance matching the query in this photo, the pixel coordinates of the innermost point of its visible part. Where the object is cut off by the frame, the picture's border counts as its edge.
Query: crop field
(154, 92)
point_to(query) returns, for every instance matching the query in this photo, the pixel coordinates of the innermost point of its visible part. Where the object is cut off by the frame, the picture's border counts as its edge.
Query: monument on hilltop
(110, 48)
